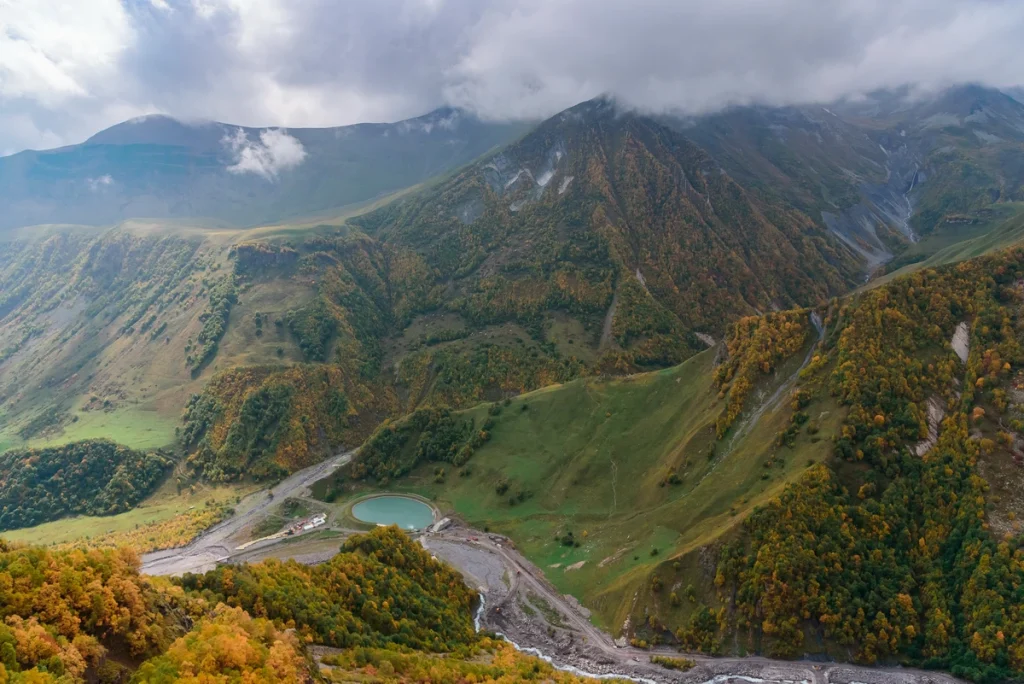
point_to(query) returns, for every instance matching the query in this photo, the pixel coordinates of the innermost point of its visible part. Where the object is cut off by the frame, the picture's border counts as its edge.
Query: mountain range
(739, 382)
(601, 239)
(161, 168)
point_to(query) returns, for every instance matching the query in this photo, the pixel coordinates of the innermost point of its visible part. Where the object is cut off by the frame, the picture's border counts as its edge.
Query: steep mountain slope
(840, 476)
(906, 545)
(880, 172)
(589, 476)
(157, 167)
(105, 333)
(603, 242)
(595, 195)
(832, 170)
(965, 145)
(599, 243)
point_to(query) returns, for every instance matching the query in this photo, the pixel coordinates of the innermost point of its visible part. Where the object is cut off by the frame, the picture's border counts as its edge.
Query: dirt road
(218, 544)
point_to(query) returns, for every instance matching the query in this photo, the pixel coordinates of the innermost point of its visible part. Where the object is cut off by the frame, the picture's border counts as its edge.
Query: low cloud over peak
(65, 74)
(274, 152)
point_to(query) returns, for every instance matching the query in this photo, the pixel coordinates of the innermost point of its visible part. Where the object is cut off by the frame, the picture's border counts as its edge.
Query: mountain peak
(442, 118)
(953, 104)
(969, 98)
(158, 166)
(601, 107)
(159, 129)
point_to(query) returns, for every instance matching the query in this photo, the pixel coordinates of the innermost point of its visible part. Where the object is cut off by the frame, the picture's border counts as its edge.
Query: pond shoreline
(405, 510)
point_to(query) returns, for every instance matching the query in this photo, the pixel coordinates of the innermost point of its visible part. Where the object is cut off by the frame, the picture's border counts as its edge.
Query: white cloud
(100, 182)
(72, 68)
(533, 57)
(51, 51)
(276, 151)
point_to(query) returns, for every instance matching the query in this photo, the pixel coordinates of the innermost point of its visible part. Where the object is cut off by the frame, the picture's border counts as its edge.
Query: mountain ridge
(161, 129)
(162, 168)
(621, 172)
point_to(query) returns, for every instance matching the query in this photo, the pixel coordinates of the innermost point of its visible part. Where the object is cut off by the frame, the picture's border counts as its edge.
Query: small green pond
(407, 513)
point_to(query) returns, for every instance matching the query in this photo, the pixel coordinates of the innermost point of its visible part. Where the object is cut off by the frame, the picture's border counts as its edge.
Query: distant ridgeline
(95, 477)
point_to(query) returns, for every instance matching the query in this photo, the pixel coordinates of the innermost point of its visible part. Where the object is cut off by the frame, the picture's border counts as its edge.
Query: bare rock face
(961, 341)
(936, 412)
(705, 338)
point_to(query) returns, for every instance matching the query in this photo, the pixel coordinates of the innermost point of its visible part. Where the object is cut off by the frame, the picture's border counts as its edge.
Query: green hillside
(106, 333)
(625, 465)
(598, 243)
(904, 544)
(95, 477)
(554, 259)
(961, 237)
(595, 199)
(603, 341)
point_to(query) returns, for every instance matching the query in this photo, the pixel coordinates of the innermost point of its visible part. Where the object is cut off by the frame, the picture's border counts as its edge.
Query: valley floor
(517, 600)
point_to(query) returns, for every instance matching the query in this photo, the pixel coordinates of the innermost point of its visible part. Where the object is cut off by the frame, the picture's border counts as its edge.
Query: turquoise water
(409, 514)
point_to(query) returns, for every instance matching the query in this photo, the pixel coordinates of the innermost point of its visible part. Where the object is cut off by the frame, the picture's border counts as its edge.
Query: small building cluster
(308, 524)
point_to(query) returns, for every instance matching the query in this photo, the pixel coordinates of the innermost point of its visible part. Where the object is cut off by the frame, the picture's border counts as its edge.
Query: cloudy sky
(71, 67)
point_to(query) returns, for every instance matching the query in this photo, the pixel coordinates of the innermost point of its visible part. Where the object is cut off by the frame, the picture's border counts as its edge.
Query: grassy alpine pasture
(596, 458)
(87, 360)
(131, 426)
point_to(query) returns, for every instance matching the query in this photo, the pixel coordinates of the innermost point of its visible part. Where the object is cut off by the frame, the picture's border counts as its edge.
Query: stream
(549, 660)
